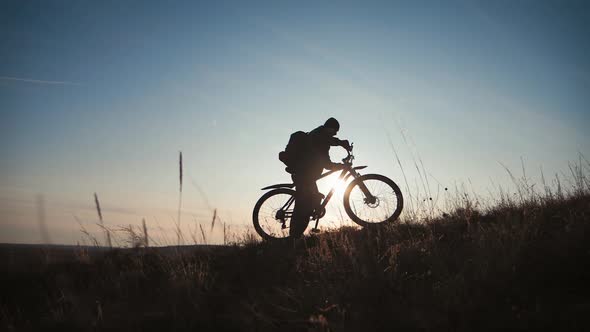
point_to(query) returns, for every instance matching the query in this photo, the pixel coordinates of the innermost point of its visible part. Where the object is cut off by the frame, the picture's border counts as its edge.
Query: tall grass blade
(214, 217)
(180, 170)
(45, 238)
(97, 203)
(146, 240)
(203, 234)
(99, 211)
(179, 238)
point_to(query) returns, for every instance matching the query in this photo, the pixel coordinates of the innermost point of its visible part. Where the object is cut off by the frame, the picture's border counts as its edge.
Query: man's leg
(317, 196)
(304, 204)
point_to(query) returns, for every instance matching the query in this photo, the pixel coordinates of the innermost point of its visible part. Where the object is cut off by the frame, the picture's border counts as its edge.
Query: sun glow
(335, 214)
(339, 186)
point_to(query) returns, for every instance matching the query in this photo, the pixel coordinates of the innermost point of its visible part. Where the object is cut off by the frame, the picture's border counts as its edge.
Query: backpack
(295, 151)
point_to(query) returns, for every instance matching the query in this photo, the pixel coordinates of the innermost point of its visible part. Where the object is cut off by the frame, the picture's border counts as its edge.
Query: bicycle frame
(345, 174)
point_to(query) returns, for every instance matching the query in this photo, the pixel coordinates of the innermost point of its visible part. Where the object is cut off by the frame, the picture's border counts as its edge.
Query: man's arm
(338, 142)
(334, 141)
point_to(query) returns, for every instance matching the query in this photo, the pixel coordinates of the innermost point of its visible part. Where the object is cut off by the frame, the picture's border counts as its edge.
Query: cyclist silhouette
(311, 161)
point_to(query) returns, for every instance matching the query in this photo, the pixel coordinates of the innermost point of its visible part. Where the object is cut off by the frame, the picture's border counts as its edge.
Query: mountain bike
(369, 200)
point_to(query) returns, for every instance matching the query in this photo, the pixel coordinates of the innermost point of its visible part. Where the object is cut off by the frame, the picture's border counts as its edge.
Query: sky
(101, 96)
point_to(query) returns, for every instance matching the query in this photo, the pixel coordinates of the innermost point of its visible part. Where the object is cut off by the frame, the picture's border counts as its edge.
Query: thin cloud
(29, 80)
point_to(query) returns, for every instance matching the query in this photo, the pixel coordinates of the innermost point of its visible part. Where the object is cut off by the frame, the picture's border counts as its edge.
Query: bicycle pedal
(315, 230)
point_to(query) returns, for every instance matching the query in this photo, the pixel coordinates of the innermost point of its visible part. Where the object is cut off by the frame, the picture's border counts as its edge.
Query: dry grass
(454, 261)
(520, 262)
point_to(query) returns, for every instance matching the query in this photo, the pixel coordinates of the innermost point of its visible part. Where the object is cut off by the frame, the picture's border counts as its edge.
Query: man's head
(331, 126)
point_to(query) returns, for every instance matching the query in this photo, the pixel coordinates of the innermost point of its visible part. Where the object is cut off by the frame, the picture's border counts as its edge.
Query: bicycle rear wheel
(383, 205)
(272, 214)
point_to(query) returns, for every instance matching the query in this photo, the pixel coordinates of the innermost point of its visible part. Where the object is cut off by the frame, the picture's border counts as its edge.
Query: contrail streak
(28, 80)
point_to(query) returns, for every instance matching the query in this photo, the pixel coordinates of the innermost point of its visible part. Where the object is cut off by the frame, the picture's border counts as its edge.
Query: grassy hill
(516, 265)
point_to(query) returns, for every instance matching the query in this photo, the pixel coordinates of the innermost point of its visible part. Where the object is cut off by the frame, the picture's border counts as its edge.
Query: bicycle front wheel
(373, 199)
(272, 214)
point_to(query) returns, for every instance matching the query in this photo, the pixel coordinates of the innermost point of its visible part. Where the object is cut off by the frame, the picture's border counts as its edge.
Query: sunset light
(161, 164)
(335, 182)
(96, 102)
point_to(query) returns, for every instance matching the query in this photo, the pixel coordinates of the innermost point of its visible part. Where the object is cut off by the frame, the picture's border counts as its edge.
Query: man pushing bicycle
(306, 156)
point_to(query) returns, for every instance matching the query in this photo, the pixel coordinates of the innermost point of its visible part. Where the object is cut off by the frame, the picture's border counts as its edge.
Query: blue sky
(101, 96)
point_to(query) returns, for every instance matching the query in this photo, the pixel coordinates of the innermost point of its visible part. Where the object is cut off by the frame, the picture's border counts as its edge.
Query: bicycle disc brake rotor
(373, 204)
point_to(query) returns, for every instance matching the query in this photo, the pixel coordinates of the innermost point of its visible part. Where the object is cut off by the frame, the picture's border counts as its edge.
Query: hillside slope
(516, 265)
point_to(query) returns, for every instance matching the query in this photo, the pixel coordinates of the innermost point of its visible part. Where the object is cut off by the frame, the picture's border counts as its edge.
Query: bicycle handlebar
(350, 157)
